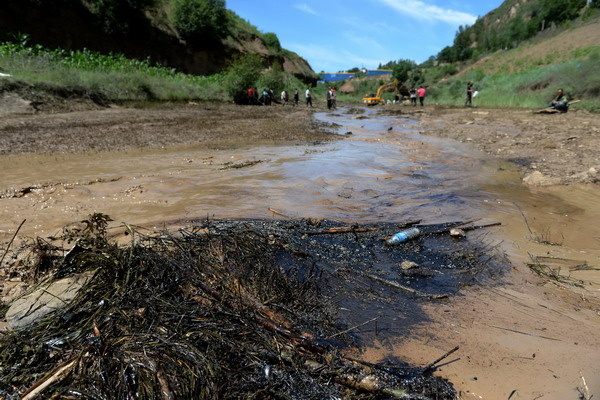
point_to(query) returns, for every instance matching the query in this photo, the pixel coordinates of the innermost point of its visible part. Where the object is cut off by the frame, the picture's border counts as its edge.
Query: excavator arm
(371, 101)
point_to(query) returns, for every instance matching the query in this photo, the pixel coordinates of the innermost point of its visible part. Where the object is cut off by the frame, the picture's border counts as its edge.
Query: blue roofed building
(377, 72)
(342, 76)
(335, 76)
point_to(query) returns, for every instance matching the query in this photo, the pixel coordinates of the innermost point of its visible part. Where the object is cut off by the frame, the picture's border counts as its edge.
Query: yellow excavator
(374, 99)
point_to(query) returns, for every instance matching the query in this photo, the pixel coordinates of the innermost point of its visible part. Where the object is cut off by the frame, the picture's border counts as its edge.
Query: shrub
(241, 75)
(275, 78)
(272, 42)
(195, 20)
(117, 16)
(402, 69)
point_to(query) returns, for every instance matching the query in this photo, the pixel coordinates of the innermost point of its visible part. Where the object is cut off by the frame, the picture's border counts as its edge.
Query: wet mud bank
(549, 149)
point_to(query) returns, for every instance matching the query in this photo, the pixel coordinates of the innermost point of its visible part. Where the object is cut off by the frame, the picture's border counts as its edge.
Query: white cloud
(363, 40)
(306, 8)
(419, 10)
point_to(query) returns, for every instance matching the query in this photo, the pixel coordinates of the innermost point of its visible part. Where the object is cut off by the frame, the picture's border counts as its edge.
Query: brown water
(375, 174)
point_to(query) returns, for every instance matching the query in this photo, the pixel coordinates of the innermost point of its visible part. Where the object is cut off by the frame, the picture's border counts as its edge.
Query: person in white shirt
(284, 97)
(308, 98)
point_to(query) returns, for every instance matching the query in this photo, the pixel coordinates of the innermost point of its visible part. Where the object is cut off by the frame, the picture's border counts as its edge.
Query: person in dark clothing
(296, 97)
(413, 96)
(560, 102)
(469, 99)
(265, 98)
(271, 96)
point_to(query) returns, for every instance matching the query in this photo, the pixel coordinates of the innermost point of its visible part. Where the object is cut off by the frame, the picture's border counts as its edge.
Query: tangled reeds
(204, 315)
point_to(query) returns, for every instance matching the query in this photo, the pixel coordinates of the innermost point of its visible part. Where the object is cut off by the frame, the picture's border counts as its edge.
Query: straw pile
(205, 315)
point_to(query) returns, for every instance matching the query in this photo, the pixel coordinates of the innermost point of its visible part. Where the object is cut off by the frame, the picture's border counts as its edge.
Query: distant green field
(113, 75)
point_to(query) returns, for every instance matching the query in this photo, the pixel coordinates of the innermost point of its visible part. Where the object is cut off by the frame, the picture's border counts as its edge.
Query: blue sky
(336, 35)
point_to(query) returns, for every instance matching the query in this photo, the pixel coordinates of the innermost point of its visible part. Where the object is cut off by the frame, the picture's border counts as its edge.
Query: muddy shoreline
(548, 148)
(206, 126)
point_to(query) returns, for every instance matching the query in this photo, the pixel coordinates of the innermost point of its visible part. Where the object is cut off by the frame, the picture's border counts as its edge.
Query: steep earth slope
(71, 24)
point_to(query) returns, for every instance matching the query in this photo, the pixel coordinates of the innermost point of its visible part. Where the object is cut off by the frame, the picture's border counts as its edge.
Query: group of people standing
(331, 98)
(414, 93)
(267, 97)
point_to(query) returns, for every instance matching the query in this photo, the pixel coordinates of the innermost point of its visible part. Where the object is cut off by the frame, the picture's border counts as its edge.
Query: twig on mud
(341, 229)
(55, 375)
(534, 236)
(585, 392)
(353, 328)
(406, 288)
(11, 242)
(473, 227)
(278, 213)
(447, 228)
(524, 218)
(552, 274)
(431, 365)
(524, 333)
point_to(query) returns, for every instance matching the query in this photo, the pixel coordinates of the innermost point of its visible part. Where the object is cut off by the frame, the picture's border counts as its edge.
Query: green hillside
(123, 50)
(517, 56)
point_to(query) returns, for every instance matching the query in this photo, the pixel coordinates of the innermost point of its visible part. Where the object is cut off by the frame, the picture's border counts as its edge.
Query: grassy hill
(121, 50)
(517, 56)
(172, 33)
(529, 74)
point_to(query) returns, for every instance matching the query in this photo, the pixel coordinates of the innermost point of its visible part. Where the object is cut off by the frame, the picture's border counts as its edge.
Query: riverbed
(523, 333)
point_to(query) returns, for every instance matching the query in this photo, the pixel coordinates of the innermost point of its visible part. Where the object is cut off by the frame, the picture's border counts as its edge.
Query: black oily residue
(355, 267)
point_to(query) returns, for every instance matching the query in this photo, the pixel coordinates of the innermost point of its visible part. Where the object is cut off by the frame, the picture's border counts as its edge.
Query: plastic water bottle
(403, 236)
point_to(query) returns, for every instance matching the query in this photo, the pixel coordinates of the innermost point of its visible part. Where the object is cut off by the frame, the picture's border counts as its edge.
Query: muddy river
(527, 337)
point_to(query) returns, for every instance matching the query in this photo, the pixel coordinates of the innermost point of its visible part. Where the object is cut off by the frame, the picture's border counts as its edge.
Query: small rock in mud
(536, 178)
(592, 175)
(348, 133)
(52, 297)
(407, 264)
(455, 232)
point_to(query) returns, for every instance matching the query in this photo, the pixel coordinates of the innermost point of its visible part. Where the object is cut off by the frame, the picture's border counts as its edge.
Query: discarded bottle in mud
(403, 236)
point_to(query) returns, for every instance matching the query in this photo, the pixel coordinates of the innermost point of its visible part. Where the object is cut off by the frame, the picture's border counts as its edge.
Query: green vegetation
(531, 87)
(195, 20)
(248, 71)
(242, 75)
(118, 16)
(121, 79)
(511, 75)
(498, 30)
(112, 75)
(272, 42)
